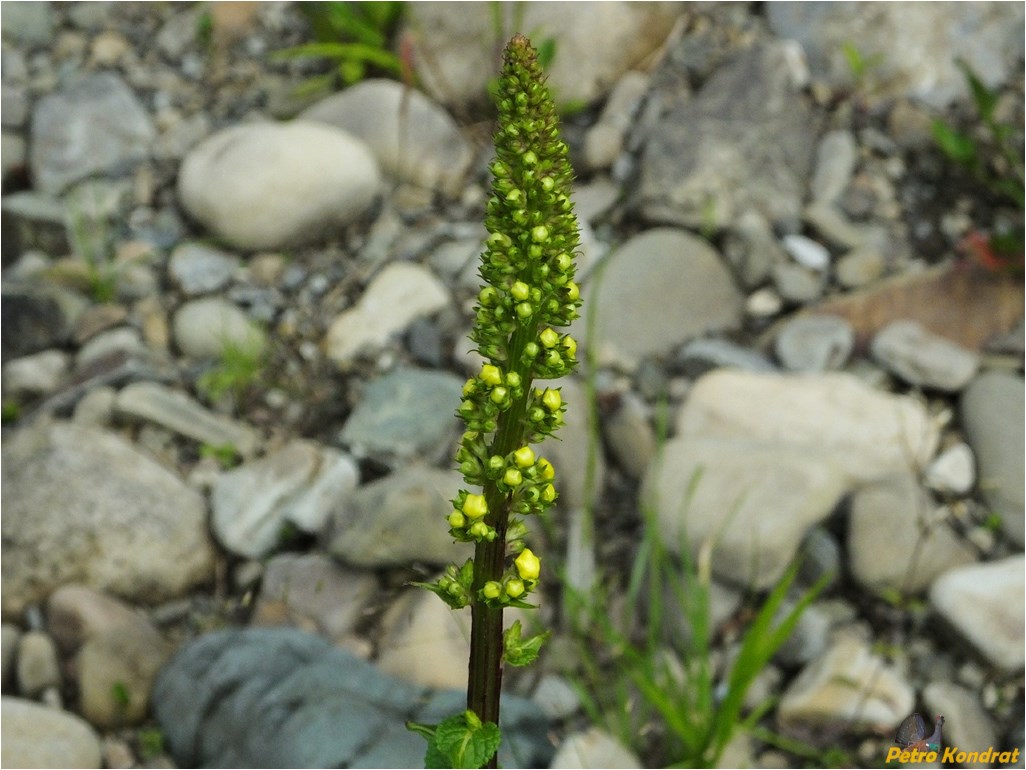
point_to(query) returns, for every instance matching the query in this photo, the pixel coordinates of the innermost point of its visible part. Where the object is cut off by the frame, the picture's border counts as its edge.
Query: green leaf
(986, 99)
(464, 741)
(518, 651)
(956, 145)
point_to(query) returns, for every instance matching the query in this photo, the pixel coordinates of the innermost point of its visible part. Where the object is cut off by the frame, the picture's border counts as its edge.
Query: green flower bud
(491, 590)
(524, 457)
(513, 380)
(514, 588)
(490, 374)
(540, 234)
(499, 395)
(525, 310)
(548, 338)
(547, 471)
(548, 493)
(457, 520)
(512, 477)
(520, 291)
(552, 399)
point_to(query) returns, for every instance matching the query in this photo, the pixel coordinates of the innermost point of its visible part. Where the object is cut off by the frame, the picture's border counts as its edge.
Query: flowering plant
(529, 292)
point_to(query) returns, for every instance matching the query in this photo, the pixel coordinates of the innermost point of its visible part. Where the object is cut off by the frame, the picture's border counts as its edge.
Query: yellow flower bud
(514, 588)
(573, 291)
(547, 471)
(457, 520)
(475, 506)
(520, 291)
(548, 493)
(528, 565)
(540, 234)
(524, 457)
(490, 374)
(570, 345)
(492, 589)
(469, 386)
(512, 477)
(549, 338)
(552, 399)
(499, 395)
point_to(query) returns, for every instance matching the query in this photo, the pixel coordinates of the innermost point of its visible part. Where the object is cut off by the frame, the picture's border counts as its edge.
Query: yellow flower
(528, 565)
(475, 506)
(548, 493)
(490, 374)
(547, 471)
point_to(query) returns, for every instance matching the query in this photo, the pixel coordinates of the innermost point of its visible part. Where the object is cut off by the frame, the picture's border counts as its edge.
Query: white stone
(271, 185)
(922, 358)
(36, 375)
(412, 137)
(204, 328)
(399, 294)
(593, 748)
(985, 604)
(38, 668)
(848, 685)
(32, 735)
(745, 502)
(807, 252)
(953, 470)
(868, 433)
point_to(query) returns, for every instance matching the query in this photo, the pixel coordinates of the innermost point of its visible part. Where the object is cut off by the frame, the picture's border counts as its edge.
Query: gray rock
(123, 343)
(36, 221)
(570, 452)
(798, 284)
(28, 23)
(917, 44)
(38, 736)
(198, 269)
(896, 542)
(753, 500)
(268, 185)
(984, 604)
(396, 520)
(96, 125)
(175, 411)
(641, 306)
(593, 748)
(810, 636)
(398, 294)
(836, 155)
(412, 138)
(847, 686)
(603, 142)
(406, 413)
(992, 412)
(807, 252)
(833, 226)
(595, 44)
(820, 556)
(36, 375)
(32, 320)
(752, 248)
(629, 435)
(140, 534)
(300, 484)
(922, 358)
(967, 724)
(593, 200)
(703, 355)
(284, 698)
(116, 668)
(814, 343)
(38, 668)
(708, 159)
(204, 328)
(870, 434)
(312, 592)
(953, 471)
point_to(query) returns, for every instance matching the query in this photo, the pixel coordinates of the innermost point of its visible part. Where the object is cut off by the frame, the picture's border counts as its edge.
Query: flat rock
(38, 668)
(197, 268)
(595, 44)
(285, 698)
(141, 534)
(752, 248)
(412, 138)
(847, 686)
(271, 185)
(312, 592)
(869, 434)
(953, 471)
(399, 294)
(992, 412)
(396, 520)
(569, 450)
(984, 604)
(967, 723)
(96, 125)
(593, 748)
(38, 736)
(300, 484)
(753, 499)
(36, 375)
(405, 413)
(896, 541)
(836, 155)
(708, 161)
(703, 355)
(76, 612)
(172, 409)
(642, 306)
(916, 44)
(923, 359)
